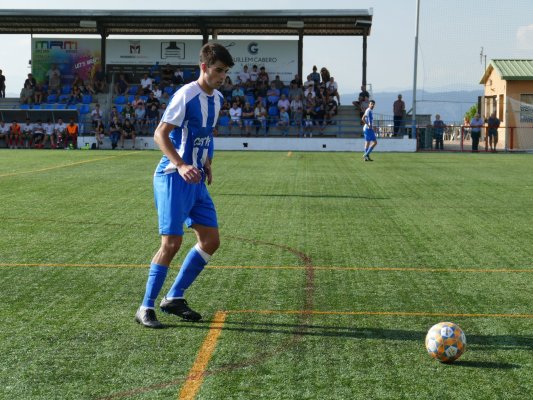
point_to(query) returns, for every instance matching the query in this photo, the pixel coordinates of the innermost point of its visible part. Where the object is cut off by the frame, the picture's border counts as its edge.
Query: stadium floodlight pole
(415, 69)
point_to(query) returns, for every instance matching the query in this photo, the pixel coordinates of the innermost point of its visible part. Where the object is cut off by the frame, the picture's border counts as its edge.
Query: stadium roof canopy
(346, 22)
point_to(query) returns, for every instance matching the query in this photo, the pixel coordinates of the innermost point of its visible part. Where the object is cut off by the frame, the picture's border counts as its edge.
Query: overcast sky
(451, 35)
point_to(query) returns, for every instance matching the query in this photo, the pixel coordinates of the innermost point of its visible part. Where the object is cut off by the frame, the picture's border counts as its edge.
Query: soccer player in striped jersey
(185, 136)
(368, 131)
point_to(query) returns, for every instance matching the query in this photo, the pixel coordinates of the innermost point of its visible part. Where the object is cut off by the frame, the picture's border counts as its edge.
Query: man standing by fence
(398, 109)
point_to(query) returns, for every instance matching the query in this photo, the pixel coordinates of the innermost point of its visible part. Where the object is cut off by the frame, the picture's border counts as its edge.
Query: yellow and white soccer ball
(445, 342)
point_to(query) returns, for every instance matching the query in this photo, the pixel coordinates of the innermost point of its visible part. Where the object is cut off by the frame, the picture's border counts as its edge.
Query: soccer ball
(445, 342)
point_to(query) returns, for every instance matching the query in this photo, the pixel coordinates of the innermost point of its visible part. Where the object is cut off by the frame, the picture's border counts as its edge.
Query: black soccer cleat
(147, 318)
(180, 308)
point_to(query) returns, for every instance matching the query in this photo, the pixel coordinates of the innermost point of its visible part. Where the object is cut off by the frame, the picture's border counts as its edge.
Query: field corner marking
(197, 373)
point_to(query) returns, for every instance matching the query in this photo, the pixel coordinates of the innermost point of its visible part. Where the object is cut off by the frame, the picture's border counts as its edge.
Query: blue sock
(193, 264)
(368, 151)
(156, 278)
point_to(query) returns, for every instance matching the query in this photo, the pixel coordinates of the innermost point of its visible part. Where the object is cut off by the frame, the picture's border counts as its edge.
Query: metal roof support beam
(300, 55)
(364, 60)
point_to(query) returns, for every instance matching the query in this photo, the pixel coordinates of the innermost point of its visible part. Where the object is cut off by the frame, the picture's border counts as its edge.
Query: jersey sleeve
(175, 112)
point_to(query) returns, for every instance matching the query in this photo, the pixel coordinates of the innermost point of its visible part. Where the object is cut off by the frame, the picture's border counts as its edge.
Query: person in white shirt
(333, 89)
(146, 84)
(26, 129)
(157, 92)
(60, 130)
(4, 131)
(49, 134)
(235, 113)
(244, 77)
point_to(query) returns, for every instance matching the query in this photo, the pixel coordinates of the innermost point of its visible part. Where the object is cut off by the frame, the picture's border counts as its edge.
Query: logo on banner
(253, 48)
(69, 46)
(173, 50)
(135, 47)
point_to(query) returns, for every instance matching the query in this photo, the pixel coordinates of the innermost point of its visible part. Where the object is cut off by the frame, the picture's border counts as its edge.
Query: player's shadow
(309, 196)
(477, 342)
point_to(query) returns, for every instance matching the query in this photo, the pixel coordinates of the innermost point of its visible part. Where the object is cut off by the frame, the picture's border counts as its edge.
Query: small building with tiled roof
(508, 91)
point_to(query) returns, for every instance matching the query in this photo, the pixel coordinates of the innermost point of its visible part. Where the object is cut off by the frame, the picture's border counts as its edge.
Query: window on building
(526, 108)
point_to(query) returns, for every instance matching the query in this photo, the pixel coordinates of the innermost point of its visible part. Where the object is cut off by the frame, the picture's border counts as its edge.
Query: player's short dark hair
(372, 101)
(213, 52)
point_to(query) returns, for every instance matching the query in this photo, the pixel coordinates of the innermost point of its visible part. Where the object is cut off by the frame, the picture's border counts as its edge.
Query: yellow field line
(380, 313)
(33, 171)
(283, 267)
(197, 372)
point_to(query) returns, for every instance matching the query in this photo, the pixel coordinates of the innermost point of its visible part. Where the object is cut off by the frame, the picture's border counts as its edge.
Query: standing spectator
(146, 84)
(324, 74)
(368, 131)
(438, 132)
(27, 133)
(26, 94)
(96, 115)
(72, 135)
(128, 131)
(235, 113)
(493, 124)
(263, 76)
(243, 78)
(315, 76)
(167, 74)
(398, 109)
(15, 135)
(2, 85)
(254, 74)
(54, 80)
(475, 131)
(4, 131)
(247, 117)
(60, 131)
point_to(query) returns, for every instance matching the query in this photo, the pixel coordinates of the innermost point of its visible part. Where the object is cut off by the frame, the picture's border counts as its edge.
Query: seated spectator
(295, 92)
(332, 89)
(128, 132)
(15, 135)
(99, 82)
(254, 74)
(330, 109)
(278, 83)
(27, 133)
(156, 91)
(99, 134)
(297, 81)
(224, 110)
(75, 96)
(114, 114)
(121, 86)
(161, 110)
(31, 81)
(261, 89)
(38, 135)
(140, 118)
(152, 100)
(89, 87)
(167, 73)
(357, 105)
(154, 69)
(260, 116)
(320, 113)
(152, 118)
(324, 74)
(78, 82)
(235, 113)
(60, 131)
(283, 102)
(297, 107)
(364, 105)
(364, 93)
(96, 115)
(247, 118)
(115, 132)
(72, 135)
(128, 112)
(237, 93)
(308, 118)
(4, 132)
(178, 78)
(273, 94)
(309, 91)
(26, 94)
(227, 88)
(310, 83)
(136, 101)
(284, 121)
(38, 94)
(146, 84)
(49, 134)
(263, 76)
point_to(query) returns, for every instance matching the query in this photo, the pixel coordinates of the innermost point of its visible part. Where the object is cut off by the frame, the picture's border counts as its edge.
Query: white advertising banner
(150, 51)
(279, 57)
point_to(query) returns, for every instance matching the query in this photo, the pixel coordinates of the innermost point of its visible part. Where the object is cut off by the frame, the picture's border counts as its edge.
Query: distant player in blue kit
(368, 130)
(185, 136)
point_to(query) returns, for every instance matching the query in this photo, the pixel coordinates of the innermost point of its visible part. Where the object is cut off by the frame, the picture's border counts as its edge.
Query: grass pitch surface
(329, 275)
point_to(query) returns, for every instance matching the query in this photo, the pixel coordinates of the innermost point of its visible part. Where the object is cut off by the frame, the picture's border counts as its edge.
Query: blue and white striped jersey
(195, 114)
(369, 121)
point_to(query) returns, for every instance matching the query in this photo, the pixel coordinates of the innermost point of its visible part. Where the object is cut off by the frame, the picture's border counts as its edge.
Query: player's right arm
(162, 137)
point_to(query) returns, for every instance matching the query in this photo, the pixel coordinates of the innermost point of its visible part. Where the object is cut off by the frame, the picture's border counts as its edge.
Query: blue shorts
(370, 136)
(178, 203)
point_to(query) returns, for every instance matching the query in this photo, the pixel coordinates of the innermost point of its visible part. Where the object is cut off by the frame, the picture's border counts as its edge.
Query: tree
(472, 111)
